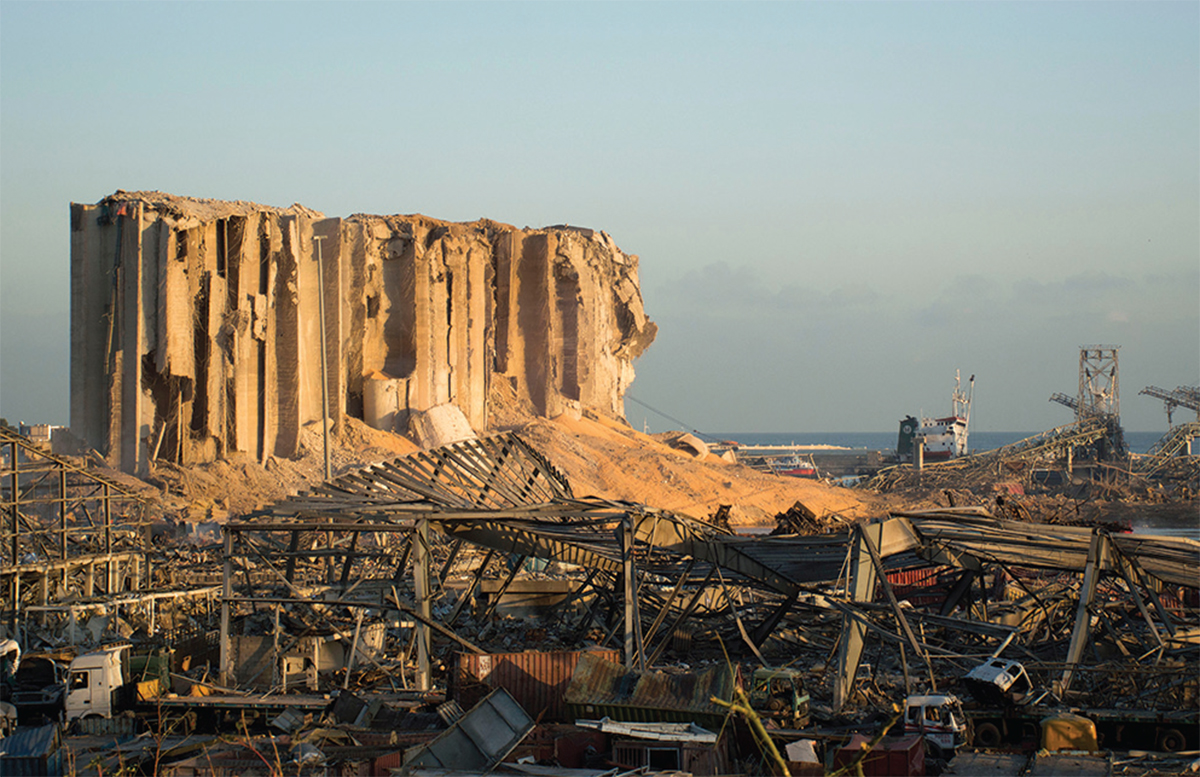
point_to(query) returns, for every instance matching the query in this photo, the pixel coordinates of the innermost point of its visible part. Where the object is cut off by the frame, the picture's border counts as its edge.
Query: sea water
(1138, 442)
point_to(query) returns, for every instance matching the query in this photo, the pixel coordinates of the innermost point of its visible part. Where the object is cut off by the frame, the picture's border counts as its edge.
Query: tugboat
(944, 438)
(798, 465)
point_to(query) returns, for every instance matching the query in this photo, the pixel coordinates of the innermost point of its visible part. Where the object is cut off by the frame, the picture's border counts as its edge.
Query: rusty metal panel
(690, 757)
(603, 688)
(537, 680)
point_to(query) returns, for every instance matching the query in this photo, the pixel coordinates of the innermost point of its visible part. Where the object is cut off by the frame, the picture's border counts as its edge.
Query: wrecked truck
(940, 719)
(779, 695)
(105, 683)
(1009, 710)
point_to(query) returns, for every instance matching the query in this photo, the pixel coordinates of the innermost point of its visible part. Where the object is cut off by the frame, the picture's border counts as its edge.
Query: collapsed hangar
(360, 540)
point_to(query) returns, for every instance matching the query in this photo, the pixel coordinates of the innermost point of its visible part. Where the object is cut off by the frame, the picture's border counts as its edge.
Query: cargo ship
(943, 438)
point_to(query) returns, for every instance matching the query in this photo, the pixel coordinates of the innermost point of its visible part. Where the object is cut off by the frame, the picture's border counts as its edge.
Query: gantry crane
(1182, 396)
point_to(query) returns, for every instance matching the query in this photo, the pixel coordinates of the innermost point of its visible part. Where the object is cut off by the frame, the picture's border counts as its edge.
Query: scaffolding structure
(1099, 389)
(66, 531)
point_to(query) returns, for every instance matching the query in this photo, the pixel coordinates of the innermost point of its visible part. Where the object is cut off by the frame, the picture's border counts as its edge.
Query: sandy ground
(604, 458)
(600, 457)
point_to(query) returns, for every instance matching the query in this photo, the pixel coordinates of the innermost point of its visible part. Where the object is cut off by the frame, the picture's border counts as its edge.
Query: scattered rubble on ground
(348, 625)
(525, 584)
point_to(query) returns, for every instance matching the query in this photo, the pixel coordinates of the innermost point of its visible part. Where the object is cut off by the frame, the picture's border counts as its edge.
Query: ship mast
(962, 411)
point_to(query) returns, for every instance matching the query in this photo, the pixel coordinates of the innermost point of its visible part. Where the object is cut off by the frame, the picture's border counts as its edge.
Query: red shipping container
(892, 757)
(566, 745)
(383, 765)
(536, 680)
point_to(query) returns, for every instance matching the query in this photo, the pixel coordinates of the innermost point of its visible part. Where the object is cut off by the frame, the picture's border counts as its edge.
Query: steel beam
(1096, 562)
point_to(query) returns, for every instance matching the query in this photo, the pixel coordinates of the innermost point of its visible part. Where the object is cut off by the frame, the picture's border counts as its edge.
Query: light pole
(324, 358)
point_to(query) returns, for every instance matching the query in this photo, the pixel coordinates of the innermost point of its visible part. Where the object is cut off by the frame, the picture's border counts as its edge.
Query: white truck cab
(938, 718)
(999, 681)
(93, 680)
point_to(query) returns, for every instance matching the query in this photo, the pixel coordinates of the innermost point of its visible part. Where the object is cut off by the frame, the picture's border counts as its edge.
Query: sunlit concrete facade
(195, 328)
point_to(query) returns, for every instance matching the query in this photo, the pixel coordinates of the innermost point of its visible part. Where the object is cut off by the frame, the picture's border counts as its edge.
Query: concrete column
(93, 249)
(478, 319)
(442, 281)
(533, 318)
(264, 312)
(423, 386)
(175, 335)
(286, 366)
(242, 259)
(215, 420)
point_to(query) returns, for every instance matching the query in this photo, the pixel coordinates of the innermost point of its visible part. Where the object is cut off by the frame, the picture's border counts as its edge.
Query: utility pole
(324, 358)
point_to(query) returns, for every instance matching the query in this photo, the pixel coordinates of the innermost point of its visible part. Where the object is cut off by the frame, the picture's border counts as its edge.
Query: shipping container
(891, 757)
(693, 757)
(603, 688)
(32, 752)
(537, 680)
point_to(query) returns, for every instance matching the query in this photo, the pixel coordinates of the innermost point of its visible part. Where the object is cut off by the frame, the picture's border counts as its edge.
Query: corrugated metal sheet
(384, 764)
(537, 680)
(478, 740)
(31, 752)
(564, 744)
(922, 586)
(602, 688)
(40, 740)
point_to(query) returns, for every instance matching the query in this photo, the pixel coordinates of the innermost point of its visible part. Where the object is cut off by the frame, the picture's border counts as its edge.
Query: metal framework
(1183, 396)
(361, 547)
(61, 523)
(1099, 390)
(1175, 445)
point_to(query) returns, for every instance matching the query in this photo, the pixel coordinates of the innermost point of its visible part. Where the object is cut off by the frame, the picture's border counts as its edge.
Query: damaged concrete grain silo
(195, 330)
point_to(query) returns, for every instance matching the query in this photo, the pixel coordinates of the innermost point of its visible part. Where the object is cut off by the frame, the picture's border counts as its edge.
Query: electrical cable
(670, 418)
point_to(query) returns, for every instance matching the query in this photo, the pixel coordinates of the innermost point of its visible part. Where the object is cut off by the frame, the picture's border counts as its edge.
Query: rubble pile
(524, 584)
(365, 618)
(1074, 474)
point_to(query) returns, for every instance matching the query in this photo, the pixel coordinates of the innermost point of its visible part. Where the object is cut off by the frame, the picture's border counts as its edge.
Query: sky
(836, 205)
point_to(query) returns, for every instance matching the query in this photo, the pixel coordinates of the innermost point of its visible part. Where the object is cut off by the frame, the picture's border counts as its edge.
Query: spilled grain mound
(607, 459)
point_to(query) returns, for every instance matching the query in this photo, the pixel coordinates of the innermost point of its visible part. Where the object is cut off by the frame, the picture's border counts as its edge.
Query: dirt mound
(599, 456)
(604, 458)
(241, 485)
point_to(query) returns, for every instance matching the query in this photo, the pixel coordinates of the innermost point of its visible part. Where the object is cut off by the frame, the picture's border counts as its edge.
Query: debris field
(362, 624)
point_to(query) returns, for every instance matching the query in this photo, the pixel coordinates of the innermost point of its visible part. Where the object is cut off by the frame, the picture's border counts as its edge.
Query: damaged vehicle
(779, 695)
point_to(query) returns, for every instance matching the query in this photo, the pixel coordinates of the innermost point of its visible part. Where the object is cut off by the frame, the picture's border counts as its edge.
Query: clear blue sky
(835, 204)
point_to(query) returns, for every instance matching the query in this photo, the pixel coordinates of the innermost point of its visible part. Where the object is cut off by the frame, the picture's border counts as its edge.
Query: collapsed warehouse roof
(372, 579)
(335, 546)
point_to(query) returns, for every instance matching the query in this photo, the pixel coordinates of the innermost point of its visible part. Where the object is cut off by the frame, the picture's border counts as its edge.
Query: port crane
(1183, 396)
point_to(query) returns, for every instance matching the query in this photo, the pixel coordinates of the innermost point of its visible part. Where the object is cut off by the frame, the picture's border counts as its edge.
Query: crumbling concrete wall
(195, 326)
